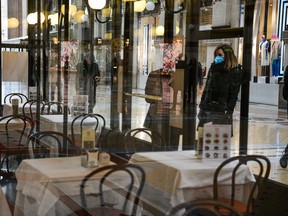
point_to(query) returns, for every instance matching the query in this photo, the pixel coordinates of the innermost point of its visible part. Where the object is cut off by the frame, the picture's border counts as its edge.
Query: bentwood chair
(143, 139)
(53, 108)
(260, 166)
(29, 108)
(52, 144)
(88, 121)
(15, 131)
(203, 208)
(116, 189)
(22, 97)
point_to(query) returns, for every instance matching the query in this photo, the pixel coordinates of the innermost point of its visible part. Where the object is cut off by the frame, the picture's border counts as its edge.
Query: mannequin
(275, 54)
(264, 56)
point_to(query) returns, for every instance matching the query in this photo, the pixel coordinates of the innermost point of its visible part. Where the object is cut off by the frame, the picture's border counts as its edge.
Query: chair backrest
(203, 208)
(260, 166)
(89, 121)
(16, 129)
(22, 98)
(125, 181)
(143, 139)
(53, 108)
(29, 107)
(52, 144)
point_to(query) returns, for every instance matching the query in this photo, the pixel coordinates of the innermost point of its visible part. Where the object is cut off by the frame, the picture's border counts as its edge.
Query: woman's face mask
(218, 59)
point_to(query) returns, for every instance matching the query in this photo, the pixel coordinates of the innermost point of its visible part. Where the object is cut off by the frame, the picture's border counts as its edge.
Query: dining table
(51, 187)
(56, 123)
(173, 177)
(8, 110)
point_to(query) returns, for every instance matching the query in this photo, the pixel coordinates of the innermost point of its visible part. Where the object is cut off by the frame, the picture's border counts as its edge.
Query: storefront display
(275, 54)
(264, 56)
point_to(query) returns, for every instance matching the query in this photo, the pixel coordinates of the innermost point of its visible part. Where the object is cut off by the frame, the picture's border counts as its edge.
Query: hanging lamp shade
(106, 12)
(32, 18)
(53, 18)
(79, 16)
(139, 6)
(97, 4)
(13, 22)
(177, 30)
(160, 30)
(72, 10)
(150, 6)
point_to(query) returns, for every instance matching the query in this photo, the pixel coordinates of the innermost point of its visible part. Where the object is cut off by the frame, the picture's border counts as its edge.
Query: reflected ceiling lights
(97, 4)
(13, 22)
(32, 18)
(139, 6)
(150, 6)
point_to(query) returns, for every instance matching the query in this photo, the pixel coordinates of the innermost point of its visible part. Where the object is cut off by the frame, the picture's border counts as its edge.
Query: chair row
(17, 131)
(215, 206)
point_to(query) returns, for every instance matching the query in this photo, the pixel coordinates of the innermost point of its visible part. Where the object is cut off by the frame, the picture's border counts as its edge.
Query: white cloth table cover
(37, 180)
(182, 177)
(55, 123)
(7, 109)
(13, 124)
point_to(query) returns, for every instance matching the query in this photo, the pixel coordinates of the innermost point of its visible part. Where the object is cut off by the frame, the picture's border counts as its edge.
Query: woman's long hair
(230, 58)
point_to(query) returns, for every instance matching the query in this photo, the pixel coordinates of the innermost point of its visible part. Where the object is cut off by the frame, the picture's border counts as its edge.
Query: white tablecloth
(7, 109)
(13, 124)
(180, 177)
(42, 183)
(5, 210)
(55, 123)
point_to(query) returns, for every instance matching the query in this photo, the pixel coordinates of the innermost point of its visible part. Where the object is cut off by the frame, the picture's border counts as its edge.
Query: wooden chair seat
(238, 205)
(261, 170)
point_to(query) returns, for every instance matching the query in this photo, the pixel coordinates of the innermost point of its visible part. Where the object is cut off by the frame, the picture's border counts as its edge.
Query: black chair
(14, 138)
(261, 168)
(29, 108)
(22, 98)
(82, 122)
(52, 144)
(143, 139)
(118, 180)
(53, 108)
(203, 208)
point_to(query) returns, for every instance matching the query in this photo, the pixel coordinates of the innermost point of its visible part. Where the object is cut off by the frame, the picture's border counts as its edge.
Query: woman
(222, 87)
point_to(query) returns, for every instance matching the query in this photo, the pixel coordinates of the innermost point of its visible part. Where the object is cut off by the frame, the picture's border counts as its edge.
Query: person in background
(88, 75)
(222, 87)
(284, 158)
(195, 73)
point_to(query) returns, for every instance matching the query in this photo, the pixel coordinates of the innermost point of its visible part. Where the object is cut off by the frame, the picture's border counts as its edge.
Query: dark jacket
(220, 94)
(86, 79)
(195, 72)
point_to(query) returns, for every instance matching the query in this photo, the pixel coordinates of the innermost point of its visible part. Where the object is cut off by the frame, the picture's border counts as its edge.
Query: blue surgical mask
(218, 59)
